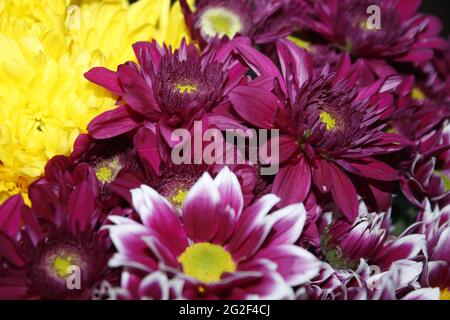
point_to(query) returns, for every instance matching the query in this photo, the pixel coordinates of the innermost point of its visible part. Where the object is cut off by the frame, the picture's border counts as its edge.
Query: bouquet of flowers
(212, 149)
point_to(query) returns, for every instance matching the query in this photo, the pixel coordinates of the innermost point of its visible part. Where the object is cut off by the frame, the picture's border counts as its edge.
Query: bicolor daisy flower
(434, 224)
(217, 247)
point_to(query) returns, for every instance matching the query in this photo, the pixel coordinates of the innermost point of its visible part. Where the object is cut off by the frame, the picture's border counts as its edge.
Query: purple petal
(10, 252)
(132, 250)
(344, 193)
(230, 190)
(105, 78)
(154, 286)
(200, 210)
(295, 264)
(296, 64)
(261, 64)
(287, 225)
(321, 174)
(148, 148)
(423, 294)
(255, 105)
(161, 218)
(10, 215)
(81, 206)
(371, 168)
(292, 183)
(250, 221)
(112, 123)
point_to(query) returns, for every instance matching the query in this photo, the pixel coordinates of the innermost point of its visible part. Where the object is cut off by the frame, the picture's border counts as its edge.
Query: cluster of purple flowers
(359, 208)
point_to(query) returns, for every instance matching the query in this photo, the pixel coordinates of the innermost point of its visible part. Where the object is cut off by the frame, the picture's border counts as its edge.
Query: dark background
(440, 8)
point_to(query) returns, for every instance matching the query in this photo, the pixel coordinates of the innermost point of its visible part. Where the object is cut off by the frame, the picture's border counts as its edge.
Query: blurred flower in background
(46, 47)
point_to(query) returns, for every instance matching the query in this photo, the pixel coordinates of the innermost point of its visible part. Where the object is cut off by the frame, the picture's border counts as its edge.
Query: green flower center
(107, 170)
(61, 265)
(418, 94)
(220, 21)
(328, 120)
(178, 198)
(186, 88)
(206, 262)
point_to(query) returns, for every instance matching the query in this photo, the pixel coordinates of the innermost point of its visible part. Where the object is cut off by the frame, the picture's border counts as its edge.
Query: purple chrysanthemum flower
(263, 21)
(403, 36)
(329, 124)
(165, 91)
(55, 250)
(217, 247)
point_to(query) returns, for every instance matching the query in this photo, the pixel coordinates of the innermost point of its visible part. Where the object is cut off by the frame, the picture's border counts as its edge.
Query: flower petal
(200, 210)
(161, 218)
(255, 105)
(112, 123)
(344, 193)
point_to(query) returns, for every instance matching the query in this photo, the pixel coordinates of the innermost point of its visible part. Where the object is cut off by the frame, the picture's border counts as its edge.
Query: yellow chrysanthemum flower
(47, 46)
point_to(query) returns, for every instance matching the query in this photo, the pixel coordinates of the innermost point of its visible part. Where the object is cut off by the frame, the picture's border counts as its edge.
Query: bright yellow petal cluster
(46, 47)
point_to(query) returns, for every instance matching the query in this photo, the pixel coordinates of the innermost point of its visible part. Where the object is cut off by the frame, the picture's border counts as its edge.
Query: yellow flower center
(178, 199)
(363, 25)
(418, 94)
(61, 266)
(445, 294)
(186, 87)
(104, 174)
(220, 21)
(107, 170)
(206, 262)
(328, 121)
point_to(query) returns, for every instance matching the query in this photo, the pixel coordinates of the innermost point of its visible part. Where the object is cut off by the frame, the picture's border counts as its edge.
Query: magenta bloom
(166, 91)
(404, 35)
(216, 247)
(263, 21)
(331, 129)
(55, 250)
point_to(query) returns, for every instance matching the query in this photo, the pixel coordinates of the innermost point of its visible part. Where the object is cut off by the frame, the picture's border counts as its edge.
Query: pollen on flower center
(186, 88)
(328, 120)
(178, 199)
(220, 21)
(107, 170)
(206, 262)
(445, 294)
(418, 94)
(61, 265)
